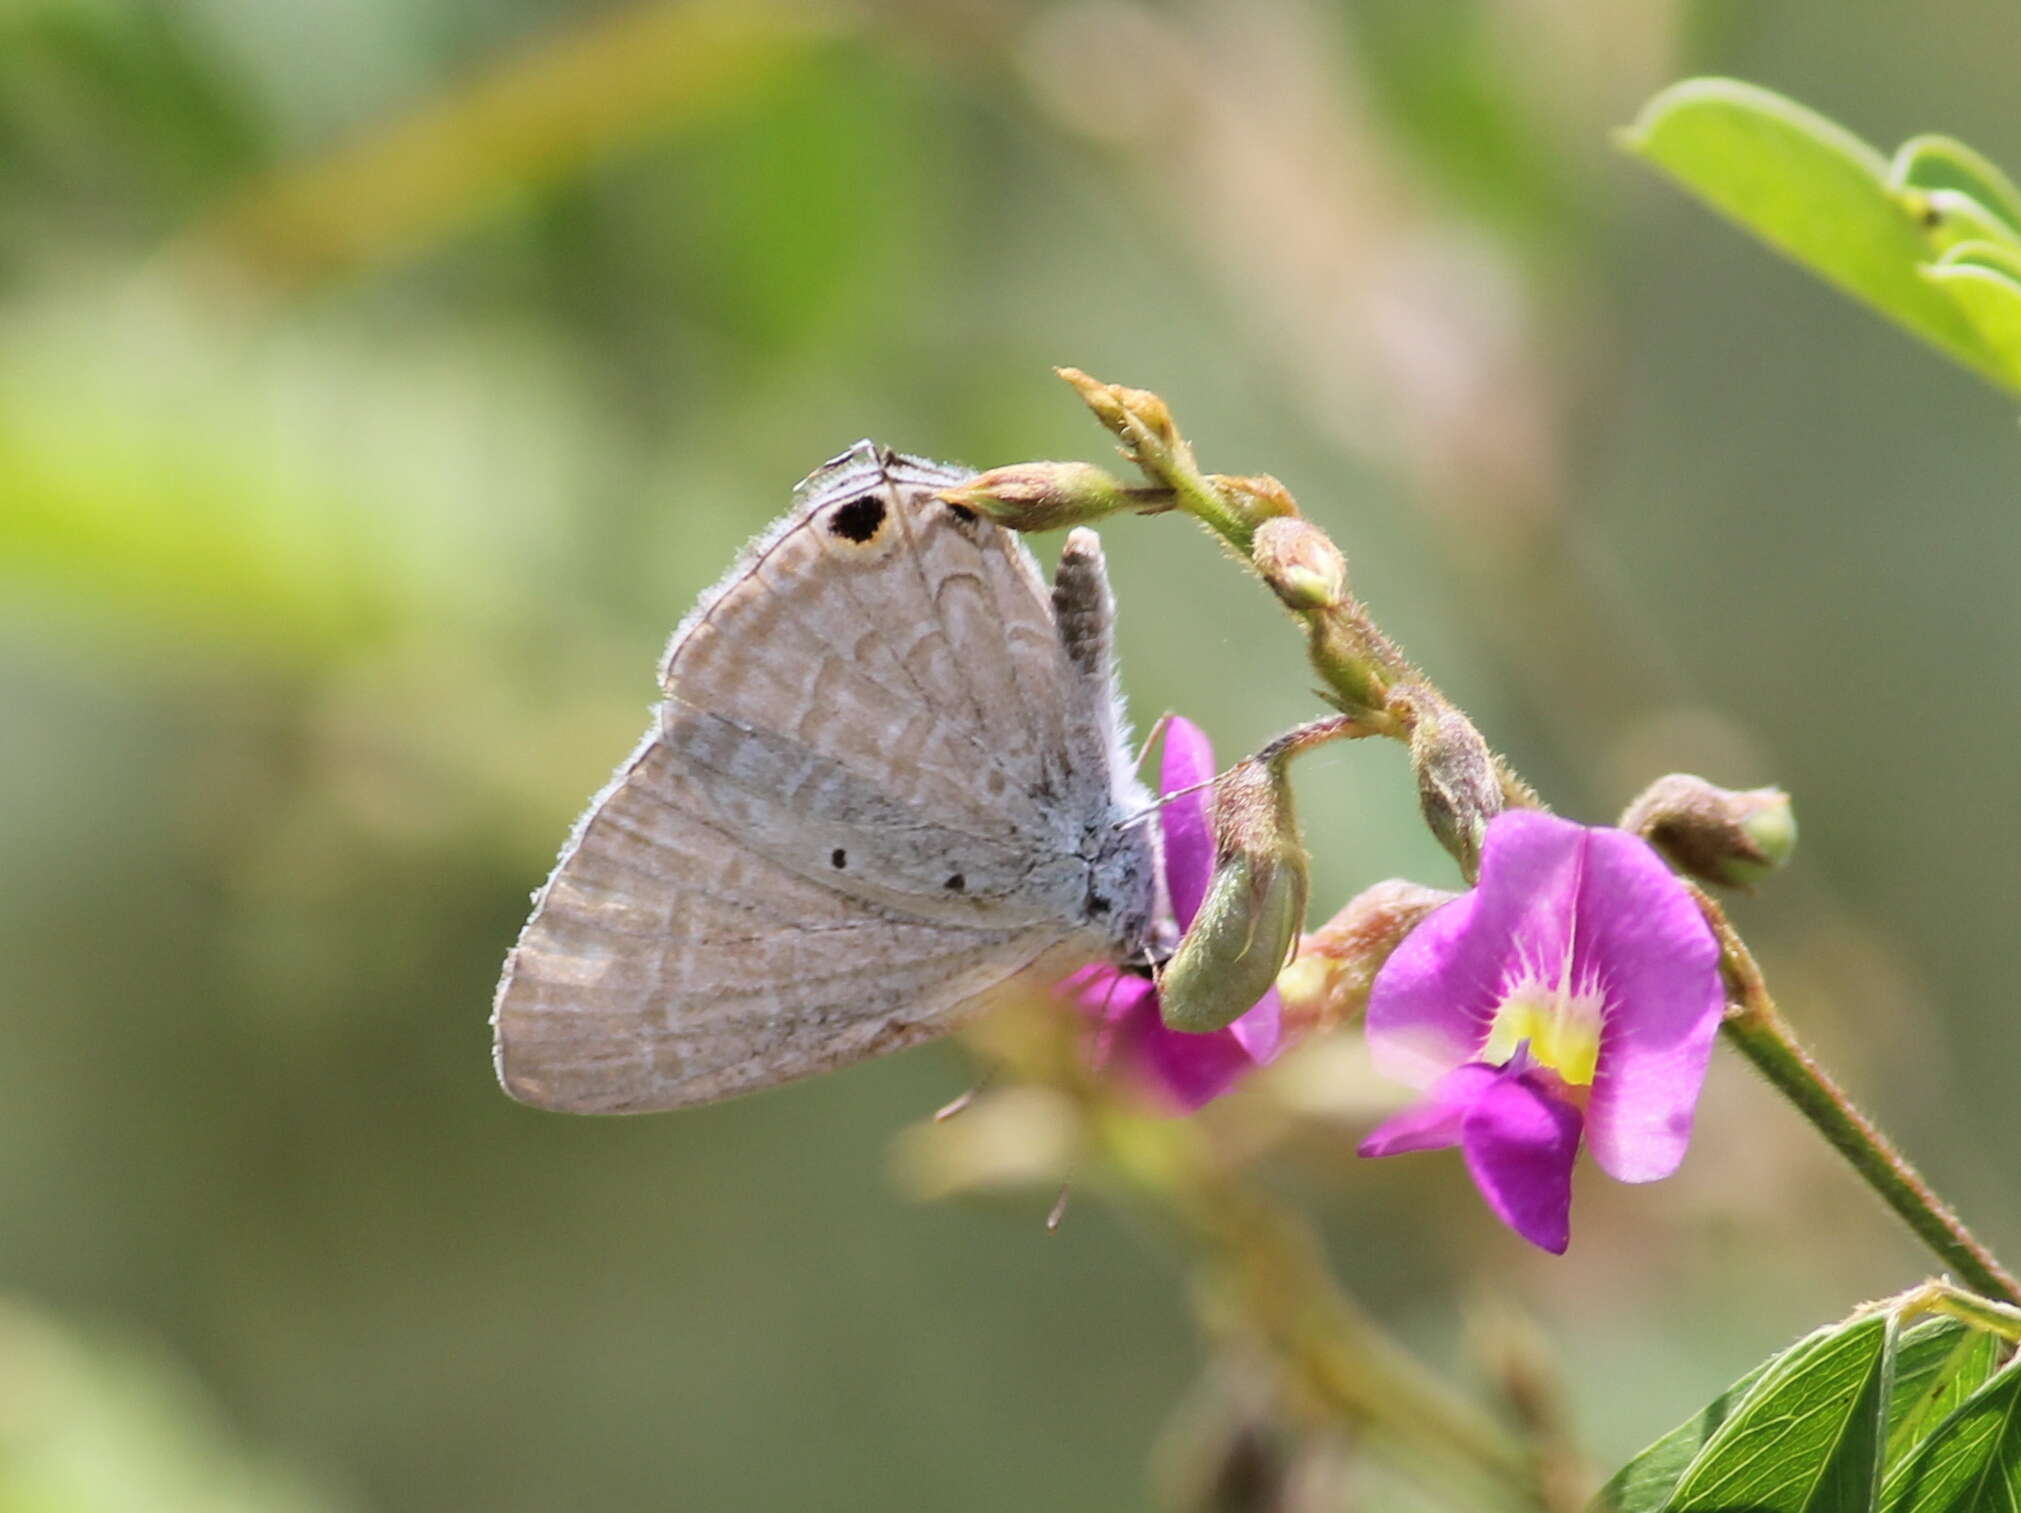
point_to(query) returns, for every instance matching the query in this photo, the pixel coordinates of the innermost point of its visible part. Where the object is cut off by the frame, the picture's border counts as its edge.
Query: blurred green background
(379, 381)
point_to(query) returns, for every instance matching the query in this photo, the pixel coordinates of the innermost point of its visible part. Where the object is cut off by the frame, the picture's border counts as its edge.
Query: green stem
(1758, 1030)
(1967, 1307)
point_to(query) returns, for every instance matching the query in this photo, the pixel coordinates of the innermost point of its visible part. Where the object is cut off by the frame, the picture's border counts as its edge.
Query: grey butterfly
(887, 783)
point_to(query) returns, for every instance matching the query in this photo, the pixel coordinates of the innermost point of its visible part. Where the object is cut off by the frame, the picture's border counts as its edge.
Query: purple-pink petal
(1431, 1004)
(1260, 1030)
(1520, 1143)
(1187, 762)
(1433, 1122)
(1182, 1071)
(1601, 939)
(1643, 937)
(1190, 1070)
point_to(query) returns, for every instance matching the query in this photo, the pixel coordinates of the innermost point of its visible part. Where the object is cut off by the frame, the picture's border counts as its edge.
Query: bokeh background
(380, 379)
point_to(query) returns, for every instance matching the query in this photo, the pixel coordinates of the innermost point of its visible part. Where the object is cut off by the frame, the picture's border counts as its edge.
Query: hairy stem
(1758, 1030)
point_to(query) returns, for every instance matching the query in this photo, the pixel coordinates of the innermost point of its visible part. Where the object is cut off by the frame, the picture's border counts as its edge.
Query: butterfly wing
(871, 799)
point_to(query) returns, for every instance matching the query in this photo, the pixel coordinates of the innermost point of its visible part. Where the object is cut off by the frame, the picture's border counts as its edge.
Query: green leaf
(1644, 1483)
(1814, 191)
(1933, 164)
(1950, 217)
(1985, 279)
(1938, 1364)
(1808, 1438)
(1972, 1464)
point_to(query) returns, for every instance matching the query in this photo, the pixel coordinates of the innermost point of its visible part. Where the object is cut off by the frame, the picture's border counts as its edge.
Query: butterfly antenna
(1299, 738)
(1165, 798)
(1151, 739)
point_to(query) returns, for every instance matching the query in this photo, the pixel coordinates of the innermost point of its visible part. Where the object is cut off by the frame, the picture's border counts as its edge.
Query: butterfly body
(886, 784)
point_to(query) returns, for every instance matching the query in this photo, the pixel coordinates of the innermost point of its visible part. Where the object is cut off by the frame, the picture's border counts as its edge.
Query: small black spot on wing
(956, 883)
(962, 513)
(858, 520)
(838, 858)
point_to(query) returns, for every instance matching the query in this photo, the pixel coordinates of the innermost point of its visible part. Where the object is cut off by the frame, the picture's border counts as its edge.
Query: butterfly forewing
(868, 802)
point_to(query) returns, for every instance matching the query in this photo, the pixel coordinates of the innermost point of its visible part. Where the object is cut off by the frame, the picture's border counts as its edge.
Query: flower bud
(1140, 419)
(1459, 787)
(1253, 910)
(1254, 499)
(1328, 984)
(1302, 566)
(1124, 409)
(1717, 835)
(1042, 496)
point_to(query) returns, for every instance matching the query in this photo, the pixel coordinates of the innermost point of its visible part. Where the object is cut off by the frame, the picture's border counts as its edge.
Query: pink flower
(1181, 1070)
(1575, 991)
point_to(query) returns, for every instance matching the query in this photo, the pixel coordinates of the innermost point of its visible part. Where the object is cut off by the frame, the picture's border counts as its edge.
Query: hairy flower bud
(1302, 566)
(1255, 499)
(1255, 904)
(1459, 788)
(1137, 416)
(1717, 835)
(1328, 984)
(1042, 496)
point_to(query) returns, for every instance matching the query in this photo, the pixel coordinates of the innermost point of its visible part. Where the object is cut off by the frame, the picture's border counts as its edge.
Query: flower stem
(1966, 1307)
(1758, 1030)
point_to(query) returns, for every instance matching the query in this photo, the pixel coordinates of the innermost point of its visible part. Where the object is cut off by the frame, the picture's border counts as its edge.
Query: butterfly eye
(859, 520)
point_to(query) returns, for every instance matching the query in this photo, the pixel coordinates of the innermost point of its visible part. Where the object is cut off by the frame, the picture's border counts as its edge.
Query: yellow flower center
(1560, 1022)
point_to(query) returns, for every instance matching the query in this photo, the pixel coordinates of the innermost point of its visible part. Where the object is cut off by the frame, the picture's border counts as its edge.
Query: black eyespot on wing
(838, 858)
(956, 883)
(962, 513)
(859, 519)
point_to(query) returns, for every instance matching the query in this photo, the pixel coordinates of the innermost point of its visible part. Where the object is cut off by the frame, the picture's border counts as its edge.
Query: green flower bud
(1139, 418)
(1043, 496)
(1459, 786)
(1254, 499)
(1254, 908)
(1302, 566)
(1719, 836)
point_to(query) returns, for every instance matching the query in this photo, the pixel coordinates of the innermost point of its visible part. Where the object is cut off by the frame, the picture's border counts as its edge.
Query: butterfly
(887, 784)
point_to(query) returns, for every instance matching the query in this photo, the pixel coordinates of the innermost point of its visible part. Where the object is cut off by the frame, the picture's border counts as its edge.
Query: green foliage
(1858, 1416)
(1883, 231)
(1937, 1366)
(1972, 1462)
(98, 1421)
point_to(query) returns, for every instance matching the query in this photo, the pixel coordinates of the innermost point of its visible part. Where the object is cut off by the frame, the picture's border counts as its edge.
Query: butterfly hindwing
(872, 798)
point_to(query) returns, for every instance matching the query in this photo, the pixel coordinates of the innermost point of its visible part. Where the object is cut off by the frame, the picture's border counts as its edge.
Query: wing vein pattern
(866, 805)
